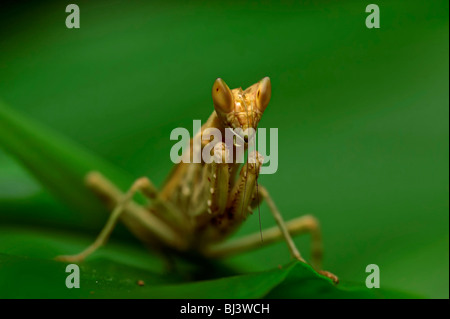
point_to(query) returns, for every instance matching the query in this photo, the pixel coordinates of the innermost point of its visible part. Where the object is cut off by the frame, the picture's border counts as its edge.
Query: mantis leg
(309, 224)
(283, 231)
(297, 226)
(281, 224)
(142, 185)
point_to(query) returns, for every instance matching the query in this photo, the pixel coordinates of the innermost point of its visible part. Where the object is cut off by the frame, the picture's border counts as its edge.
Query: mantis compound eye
(222, 97)
(263, 94)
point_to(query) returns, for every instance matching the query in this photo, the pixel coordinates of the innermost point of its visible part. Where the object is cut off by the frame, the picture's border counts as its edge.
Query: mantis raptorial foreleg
(219, 180)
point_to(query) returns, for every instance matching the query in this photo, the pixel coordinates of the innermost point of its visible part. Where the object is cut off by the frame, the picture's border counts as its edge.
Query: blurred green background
(362, 115)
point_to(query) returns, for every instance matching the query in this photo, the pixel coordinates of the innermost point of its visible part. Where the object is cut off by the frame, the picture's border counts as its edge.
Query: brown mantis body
(201, 204)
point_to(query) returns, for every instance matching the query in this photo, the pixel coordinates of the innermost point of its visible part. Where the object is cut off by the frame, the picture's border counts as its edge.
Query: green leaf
(306, 284)
(27, 271)
(58, 163)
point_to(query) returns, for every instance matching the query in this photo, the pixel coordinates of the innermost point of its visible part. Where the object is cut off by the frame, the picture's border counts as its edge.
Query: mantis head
(240, 109)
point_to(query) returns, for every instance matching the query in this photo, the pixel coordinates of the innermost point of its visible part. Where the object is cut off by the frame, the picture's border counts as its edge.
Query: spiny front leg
(211, 193)
(237, 204)
(244, 189)
(219, 180)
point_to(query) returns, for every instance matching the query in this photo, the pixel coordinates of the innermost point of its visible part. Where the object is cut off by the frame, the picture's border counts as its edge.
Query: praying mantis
(201, 204)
